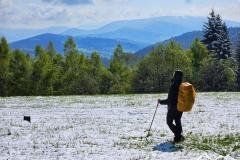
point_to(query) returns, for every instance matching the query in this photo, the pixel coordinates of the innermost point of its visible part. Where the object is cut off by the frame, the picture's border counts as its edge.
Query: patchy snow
(109, 127)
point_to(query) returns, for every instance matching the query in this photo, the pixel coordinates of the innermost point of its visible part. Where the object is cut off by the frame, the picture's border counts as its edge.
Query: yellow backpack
(186, 97)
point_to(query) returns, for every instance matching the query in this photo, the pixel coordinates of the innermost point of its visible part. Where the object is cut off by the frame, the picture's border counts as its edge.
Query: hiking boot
(182, 138)
(179, 139)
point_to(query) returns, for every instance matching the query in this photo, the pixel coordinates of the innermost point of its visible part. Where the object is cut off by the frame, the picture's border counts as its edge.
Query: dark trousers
(174, 115)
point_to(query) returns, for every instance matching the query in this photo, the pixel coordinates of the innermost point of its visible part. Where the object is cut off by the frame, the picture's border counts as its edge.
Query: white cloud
(37, 14)
(69, 2)
(5, 3)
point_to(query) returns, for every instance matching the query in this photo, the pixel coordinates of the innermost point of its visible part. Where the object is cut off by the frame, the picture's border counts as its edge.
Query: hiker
(173, 114)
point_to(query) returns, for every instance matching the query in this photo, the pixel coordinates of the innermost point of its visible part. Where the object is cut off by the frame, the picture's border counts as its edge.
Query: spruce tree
(209, 37)
(226, 45)
(216, 37)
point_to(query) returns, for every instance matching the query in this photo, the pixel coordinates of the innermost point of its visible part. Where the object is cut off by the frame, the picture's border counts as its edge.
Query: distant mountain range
(18, 34)
(106, 46)
(131, 34)
(186, 40)
(146, 31)
(85, 44)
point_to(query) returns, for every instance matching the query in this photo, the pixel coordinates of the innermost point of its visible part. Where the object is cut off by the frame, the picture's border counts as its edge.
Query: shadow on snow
(166, 147)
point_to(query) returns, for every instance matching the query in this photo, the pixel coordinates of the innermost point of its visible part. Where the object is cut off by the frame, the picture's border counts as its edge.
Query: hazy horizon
(104, 24)
(90, 14)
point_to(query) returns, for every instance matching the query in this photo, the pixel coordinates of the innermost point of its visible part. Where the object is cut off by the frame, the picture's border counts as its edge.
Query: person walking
(173, 115)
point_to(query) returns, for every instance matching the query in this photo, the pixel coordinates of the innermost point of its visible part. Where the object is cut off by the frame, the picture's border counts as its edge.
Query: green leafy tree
(71, 67)
(70, 47)
(154, 72)
(217, 75)
(77, 77)
(20, 69)
(117, 64)
(97, 71)
(51, 51)
(4, 66)
(121, 74)
(198, 53)
(107, 81)
(90, 74)
(42, 70)
(97, 65)
(56, 70)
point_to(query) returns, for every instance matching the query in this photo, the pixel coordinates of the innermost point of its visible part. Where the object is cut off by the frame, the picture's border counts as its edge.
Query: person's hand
(159, 101)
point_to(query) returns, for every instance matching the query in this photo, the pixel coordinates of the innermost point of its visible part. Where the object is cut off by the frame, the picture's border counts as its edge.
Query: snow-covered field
(110, 127)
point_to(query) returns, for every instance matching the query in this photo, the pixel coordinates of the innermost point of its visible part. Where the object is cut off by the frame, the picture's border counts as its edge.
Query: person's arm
(172, 93)
(165, 101)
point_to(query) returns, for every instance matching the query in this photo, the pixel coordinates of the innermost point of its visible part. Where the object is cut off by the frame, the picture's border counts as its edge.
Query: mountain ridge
(148, 30)
(86, 45)
(145, 30)
(187, 38)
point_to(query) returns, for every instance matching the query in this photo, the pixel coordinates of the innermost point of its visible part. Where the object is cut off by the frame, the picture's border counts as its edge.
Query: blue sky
(94, 13)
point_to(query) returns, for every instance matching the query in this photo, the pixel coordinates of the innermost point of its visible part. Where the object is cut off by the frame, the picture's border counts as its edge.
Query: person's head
(177, 76)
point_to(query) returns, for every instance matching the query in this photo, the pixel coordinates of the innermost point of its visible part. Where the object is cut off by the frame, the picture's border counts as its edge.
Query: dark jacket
(172, 99)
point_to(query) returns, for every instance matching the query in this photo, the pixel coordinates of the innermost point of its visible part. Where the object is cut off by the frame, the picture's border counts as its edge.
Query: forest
(210, 65)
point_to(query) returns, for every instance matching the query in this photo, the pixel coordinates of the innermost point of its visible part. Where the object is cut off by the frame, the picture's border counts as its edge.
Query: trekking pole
(152, 121)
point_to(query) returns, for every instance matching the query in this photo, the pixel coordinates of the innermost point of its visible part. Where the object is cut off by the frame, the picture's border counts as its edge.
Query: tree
(198, 53)
(226, 43)
(77, 78)
(70, 46)
(20, 69)
(117, 64)
(154, 72)
(119, 54)
(72, 67)
(71, 55)
(58, 75)
(216, 37)
(56, 72)
(217, 75)
(238, 61)
(121, 74)
(51, 51)
(96, 71)
(209, 33)
(96, 63)
(4, 67)
(42, 71)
